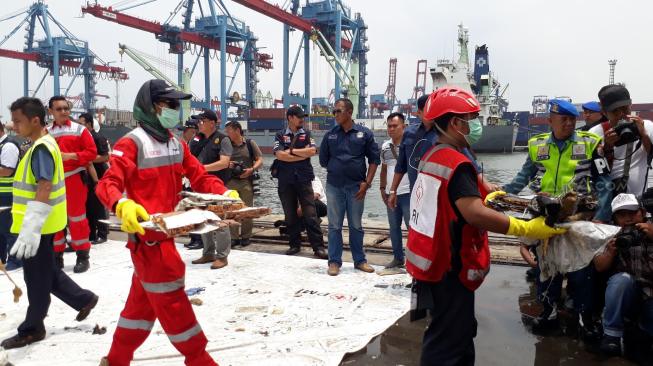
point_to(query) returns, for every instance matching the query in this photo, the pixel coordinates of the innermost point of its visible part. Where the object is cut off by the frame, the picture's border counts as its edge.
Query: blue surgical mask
(169, 117)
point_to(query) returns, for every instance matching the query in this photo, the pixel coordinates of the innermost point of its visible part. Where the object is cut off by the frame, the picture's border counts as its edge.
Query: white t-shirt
(638, 166)
(390, 160)
(8, 155)
(319, 189)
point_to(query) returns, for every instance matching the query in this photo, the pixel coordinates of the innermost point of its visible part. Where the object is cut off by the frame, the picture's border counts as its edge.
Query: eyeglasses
(62, 109)
(336, 111)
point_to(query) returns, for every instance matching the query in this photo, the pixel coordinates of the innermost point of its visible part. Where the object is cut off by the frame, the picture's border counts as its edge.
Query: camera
(238, 169)
(627, 132)
(629, 237)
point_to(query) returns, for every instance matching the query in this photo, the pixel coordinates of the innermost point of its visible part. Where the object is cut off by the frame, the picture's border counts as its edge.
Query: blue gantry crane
(215, 30)
(60, 55)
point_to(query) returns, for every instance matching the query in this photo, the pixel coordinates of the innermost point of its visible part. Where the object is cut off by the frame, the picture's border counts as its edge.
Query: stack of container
(273, 119)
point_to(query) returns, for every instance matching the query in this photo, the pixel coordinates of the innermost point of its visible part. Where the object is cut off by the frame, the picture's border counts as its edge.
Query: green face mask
(475, 130)
(169, 117)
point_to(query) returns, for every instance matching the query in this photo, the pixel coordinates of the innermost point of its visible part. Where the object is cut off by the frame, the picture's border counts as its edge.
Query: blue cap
(592, 106)
(563, 107)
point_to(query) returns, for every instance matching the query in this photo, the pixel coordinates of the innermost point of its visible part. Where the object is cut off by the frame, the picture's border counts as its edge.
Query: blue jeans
(395, 217)
(621, 299)
(341, 200)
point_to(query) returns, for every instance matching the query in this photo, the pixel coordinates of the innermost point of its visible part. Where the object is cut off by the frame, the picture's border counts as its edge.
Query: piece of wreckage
(572, 210)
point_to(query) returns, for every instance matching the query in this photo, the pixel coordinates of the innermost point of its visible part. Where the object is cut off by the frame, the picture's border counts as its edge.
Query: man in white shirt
(9, 157)
(389, 152)
(629, 157)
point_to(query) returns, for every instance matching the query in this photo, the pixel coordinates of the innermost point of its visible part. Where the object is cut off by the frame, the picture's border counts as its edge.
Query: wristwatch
(392, 192)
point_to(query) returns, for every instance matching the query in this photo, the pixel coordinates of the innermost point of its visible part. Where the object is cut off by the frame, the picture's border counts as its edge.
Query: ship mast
(463, 39)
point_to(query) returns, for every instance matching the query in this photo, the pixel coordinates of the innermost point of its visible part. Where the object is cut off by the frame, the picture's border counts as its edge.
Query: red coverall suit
(74, 138)
(150, 172)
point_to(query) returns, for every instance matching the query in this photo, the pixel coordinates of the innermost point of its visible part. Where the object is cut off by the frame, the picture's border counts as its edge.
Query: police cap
(563, 107)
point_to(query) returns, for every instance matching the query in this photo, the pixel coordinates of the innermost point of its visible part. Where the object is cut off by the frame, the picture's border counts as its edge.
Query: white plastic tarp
(262, 309)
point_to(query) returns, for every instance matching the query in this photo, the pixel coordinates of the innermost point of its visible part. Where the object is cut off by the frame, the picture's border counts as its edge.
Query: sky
(553, 48)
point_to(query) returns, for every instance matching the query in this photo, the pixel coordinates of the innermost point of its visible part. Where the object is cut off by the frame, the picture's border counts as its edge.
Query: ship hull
(497, 139)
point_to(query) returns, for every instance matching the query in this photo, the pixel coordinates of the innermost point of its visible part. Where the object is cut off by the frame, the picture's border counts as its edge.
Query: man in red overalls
(148, 163)
(78, 151)
(447, 252)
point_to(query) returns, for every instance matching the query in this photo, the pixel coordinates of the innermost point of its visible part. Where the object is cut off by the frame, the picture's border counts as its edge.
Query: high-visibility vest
(7, 182)
(25, 185)
(561, 171)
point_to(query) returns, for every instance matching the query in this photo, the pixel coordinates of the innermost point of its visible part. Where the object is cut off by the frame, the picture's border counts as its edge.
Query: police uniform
(208, 150)
(555, 167)
(295, 186)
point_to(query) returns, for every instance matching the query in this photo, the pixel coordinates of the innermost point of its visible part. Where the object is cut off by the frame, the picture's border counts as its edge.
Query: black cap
(614, 96)
(296, 111)
(191, 123)
(206, 113)
(421, 102)
(161, 90)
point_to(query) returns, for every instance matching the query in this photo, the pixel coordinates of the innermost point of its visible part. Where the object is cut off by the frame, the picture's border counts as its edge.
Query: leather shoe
(204, 259)
(320, 253)
(83, 314)
(219, 263)
(334, 269)
(364, 267)
(19, 341)
(293, 250)
(195, 246)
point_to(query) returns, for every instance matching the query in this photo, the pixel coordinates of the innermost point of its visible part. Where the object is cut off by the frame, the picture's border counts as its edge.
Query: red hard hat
(450, 99)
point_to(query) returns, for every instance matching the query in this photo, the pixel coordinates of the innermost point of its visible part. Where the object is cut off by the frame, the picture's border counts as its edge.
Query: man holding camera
(627, 140)
(562, 160)
(213, 149)
(629, 257)
(245, 161)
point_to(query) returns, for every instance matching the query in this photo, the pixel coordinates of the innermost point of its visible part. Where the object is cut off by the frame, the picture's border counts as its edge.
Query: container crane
(390, 96)
(57, 54)
(214, 31)
(323, 23)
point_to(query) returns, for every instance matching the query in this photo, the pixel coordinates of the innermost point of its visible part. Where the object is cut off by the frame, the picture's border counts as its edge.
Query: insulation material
(262, 309)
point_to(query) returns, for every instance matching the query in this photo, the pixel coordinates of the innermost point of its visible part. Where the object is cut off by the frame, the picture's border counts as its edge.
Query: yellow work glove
(535, 229)
(129, 212)
(493, 195)
(232, 193)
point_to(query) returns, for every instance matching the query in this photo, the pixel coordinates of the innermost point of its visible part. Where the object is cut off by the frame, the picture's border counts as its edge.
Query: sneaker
(364, 267)
(19, 341)
(396, 263)
(547, 319)
(334, 269)
(612, 346)
(588, 328)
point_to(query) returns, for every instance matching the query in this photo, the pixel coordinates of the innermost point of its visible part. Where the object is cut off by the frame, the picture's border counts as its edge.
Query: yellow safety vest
(561, 171)
(25, 185)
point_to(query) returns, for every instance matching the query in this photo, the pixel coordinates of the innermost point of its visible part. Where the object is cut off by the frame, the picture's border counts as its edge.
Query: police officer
(38, 212)
(447, 252)
(293, 148)
(343, 152)
(9, 156)
(213, 149)
(592, 115)
(188, 130)
(559, 161)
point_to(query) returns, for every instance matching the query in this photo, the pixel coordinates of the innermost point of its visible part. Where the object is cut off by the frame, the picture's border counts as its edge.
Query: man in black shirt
(95, 210)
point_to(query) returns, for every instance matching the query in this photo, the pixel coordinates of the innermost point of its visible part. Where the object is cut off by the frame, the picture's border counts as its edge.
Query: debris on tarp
(194, 291)
(196, 301)
(99, 330)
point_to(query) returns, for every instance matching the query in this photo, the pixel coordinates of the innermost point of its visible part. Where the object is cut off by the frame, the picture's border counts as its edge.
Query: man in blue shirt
(342, 153)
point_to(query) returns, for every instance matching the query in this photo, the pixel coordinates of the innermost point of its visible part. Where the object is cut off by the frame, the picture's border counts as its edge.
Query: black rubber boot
(82, 264)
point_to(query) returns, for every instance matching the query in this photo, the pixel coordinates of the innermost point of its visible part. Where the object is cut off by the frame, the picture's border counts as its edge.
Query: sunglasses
(336, 111)
(62, 109)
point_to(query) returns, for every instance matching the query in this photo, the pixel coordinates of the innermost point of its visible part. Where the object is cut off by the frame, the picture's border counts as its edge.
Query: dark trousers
(580, 286)
(449, 338)
(42, 278)
(290, 194)
(95, 211)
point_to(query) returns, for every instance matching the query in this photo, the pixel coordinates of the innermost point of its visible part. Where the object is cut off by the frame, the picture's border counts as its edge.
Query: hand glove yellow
(536, 228)
(129, 212)
(232, 193)
(493, 195)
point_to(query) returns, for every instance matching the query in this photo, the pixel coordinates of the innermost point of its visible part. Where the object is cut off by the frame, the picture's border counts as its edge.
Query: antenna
(612, 64)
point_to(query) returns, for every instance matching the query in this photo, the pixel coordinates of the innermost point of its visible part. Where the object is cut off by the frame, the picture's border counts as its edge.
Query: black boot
(82, 264)
(588, 328)
(547, 319)
(58, 259)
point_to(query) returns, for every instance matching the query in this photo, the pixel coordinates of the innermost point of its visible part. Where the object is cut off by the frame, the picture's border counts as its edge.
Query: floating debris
(99, 330)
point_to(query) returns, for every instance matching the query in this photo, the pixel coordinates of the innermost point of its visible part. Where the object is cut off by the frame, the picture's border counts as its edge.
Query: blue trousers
(341, 201)
(579, 284)
(622, 299)
(395, 217)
